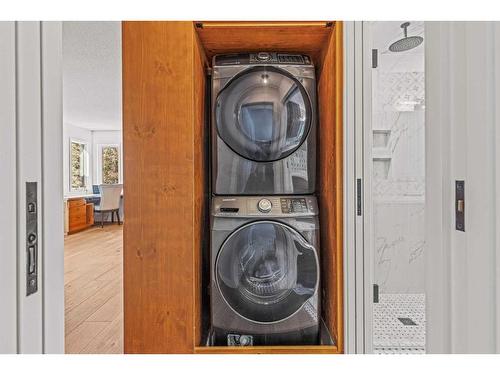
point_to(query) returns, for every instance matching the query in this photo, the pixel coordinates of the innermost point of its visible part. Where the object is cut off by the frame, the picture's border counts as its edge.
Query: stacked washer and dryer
(264, 254)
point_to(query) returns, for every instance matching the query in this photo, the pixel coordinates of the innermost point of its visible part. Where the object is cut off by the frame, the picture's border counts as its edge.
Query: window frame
(86, 164)
(100, 147)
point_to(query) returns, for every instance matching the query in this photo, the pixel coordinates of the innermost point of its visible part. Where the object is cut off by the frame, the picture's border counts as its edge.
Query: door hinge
(358, 196)
(375, 293)
(374, 58)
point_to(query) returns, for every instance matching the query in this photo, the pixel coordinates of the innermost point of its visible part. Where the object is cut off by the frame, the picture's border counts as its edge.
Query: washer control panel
(267, 206)
(293, 205)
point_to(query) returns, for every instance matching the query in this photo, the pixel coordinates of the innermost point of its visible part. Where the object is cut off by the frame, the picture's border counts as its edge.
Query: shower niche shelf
(381, 138)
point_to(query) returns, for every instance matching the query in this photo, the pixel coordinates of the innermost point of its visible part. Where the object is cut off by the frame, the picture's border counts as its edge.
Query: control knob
(264, 205)
(263, 56)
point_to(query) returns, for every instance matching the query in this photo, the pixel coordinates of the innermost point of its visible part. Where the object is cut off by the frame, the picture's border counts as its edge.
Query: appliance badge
(239, 340)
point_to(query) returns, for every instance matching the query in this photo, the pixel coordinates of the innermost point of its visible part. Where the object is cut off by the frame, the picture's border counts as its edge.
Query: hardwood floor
(93, 290)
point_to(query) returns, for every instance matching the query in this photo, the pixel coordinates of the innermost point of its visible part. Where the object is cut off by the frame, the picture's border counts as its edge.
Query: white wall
(463, 143)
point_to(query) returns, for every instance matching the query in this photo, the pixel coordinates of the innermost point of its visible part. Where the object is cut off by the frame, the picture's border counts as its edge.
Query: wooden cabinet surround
(80, 214)
(165, 135)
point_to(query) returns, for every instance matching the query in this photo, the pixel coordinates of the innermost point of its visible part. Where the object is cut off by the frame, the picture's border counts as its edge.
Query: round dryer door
(266, 271)
(263, 114)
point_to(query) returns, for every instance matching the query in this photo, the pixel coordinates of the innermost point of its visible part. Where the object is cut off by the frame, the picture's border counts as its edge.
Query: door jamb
(357, 310)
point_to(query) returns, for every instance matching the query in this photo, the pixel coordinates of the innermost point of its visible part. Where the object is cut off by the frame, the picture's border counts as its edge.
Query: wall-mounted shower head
(407, 43)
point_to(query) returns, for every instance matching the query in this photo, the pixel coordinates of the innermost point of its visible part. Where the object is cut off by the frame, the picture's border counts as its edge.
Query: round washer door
(263, 114)
(266, 271)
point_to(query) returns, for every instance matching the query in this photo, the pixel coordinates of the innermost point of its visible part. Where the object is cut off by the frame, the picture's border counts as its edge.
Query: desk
(79, 211)
(78, 214)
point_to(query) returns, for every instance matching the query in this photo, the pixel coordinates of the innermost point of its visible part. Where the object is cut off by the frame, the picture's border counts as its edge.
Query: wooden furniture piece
(304, 37)
(90, 213)
(165, 138)
(80, 214)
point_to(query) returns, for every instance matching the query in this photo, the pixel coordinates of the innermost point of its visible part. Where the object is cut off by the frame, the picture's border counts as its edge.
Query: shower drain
(399, 324)
(407, 321)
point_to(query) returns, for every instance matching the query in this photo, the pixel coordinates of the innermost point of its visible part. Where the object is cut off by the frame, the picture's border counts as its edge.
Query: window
(79, 165)
(109, 164)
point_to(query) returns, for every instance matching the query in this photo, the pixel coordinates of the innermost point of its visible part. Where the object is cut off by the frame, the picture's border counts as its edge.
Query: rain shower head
(407, 43)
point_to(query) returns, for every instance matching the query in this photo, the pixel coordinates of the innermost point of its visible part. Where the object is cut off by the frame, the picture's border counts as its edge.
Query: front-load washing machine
(265, 273)
(263, 124)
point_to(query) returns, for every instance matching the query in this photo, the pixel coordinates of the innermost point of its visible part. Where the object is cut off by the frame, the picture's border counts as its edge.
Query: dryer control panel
(265, 206)
(262, 58)
(293, 205)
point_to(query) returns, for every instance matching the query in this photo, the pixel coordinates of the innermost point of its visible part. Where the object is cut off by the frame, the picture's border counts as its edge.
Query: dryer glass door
(263, 114)
(266, 271)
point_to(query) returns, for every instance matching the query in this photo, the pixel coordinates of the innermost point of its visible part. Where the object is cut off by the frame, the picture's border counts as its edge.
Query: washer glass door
(266, 271)
(263, 114)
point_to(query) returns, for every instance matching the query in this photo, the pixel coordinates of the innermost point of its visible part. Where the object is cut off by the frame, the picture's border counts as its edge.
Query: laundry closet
(194, 187)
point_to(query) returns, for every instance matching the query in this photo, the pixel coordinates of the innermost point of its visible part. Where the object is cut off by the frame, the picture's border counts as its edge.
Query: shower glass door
(394, 171)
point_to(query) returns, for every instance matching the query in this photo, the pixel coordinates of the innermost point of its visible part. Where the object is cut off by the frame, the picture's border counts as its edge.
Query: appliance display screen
(293, 205)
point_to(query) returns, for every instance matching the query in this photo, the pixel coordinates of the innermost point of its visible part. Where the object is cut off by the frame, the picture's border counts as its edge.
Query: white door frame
(357, 263)
(52, 187)
(359, 245)
(30, 151)
(350, 306)
(29, 169)
(367, 167)
(8, 193)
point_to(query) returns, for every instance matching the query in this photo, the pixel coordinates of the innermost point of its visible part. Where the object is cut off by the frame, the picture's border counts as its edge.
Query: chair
(110, 201)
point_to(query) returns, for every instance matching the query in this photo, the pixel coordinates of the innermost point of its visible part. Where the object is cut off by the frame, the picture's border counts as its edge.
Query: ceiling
(92, 75)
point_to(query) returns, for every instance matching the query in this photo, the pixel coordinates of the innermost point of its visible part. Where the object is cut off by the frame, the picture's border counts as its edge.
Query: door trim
(52, 187)
(368, 264)
(28, 121)
(355, 262)
(8, 192)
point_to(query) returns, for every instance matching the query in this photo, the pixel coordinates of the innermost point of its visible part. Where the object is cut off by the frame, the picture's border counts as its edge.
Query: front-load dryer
(265, 274)
(263, 124)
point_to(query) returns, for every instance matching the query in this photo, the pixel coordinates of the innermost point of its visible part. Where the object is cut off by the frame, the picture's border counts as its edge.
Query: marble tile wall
(398, 180)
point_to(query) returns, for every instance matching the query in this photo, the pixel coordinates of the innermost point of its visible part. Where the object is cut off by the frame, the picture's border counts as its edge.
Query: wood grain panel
(76, 202)
(200, 180)
(90, 213)
(339, 182)
(77, 219)
(80, 215)
(330, 183)
(227, 37)
(160, 190)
